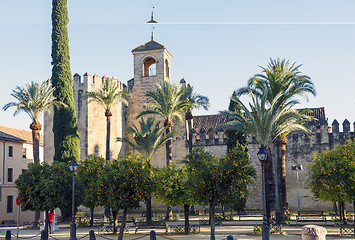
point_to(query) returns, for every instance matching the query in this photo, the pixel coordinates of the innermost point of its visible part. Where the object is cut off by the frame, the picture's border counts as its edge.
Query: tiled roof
(149, 46)
(208, 122)
(319, 114)
(17, 134)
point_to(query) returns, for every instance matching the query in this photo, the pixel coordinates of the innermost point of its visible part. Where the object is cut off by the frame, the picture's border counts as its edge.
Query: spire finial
(152, 21)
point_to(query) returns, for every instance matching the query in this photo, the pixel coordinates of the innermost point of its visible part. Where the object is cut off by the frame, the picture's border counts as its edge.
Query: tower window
(167, 69)
(149, 67)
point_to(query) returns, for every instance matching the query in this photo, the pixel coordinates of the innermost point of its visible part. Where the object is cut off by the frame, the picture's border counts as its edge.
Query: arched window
(149, 67)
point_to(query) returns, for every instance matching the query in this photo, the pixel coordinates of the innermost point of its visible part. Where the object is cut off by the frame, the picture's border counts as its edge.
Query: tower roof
(151, 45)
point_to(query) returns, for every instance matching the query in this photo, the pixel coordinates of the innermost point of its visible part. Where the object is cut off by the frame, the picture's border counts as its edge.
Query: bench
(311, 216)
(9, 223)
(179, 227)
(108, 228)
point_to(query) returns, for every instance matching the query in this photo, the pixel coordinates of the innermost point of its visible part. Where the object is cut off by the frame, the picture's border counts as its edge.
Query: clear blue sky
(216, 45)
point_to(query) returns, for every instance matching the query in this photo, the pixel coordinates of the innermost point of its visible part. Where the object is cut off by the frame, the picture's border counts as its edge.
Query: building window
(10, 200)
(11, 151)
(10, 174)
(24, 153)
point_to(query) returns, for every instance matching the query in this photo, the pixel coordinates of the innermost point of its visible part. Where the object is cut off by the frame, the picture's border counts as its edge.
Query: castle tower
(151, 66)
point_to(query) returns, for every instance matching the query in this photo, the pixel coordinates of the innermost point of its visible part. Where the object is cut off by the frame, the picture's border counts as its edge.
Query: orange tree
(43, 188)
(89, 172)
(332, 176)
(126, 182)
(172, 189)
(215, 181)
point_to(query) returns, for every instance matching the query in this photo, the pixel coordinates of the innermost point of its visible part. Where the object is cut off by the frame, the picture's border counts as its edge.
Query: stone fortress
(152, 64)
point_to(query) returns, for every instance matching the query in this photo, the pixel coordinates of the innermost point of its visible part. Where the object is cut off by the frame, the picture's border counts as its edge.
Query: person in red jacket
(51, 221)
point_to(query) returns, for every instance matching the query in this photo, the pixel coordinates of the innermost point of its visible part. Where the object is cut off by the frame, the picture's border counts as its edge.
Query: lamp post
(262, 156)
(73, 166)
(297, 168)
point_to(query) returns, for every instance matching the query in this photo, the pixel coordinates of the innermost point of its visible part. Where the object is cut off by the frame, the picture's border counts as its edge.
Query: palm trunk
(277, 182)
(268, 185)
(169, 124)
(36, 127)
(123, 224)
(282, 177)
(189, 117)
(108, 135)
(187, 223)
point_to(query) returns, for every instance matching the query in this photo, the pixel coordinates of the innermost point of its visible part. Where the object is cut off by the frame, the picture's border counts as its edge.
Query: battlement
(90, 82)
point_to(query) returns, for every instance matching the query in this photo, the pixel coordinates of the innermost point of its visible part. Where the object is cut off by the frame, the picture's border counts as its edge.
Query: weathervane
(151, 22)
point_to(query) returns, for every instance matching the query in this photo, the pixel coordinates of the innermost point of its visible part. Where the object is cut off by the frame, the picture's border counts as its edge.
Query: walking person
(51, 221)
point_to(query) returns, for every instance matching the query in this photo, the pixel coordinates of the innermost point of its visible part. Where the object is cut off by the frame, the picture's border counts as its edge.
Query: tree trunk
(212, 220)
(91, 217)
(268, 185)
(189, 117)
(46, 223)
(108, 115)
(277, 168)
(36, 127)
(343, 212)
(114, 217)
(149, 211)
(187, 224)
(354, 215)
(123, 224)
(282, 178)
(223, 212)
(169, 124)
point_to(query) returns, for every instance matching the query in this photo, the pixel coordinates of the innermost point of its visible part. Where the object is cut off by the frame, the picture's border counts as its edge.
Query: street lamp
(73, 166)
(297, 168)
(262, 156)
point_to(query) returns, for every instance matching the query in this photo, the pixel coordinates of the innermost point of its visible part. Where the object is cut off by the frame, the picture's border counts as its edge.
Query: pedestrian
(51, 221)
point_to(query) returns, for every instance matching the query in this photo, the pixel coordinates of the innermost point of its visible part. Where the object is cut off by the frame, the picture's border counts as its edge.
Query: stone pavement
(240, 232)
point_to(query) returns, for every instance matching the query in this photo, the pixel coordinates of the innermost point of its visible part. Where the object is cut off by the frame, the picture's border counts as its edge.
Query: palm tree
(280, 77)
(166, 102)
(147, 141)
(194, 101)
(266, 121)
(108, 95)
(34, 99)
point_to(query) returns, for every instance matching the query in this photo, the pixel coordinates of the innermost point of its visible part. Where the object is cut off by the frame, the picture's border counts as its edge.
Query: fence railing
(92, 236)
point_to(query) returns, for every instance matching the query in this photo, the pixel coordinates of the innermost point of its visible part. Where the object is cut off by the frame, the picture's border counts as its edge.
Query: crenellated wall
(91, 121)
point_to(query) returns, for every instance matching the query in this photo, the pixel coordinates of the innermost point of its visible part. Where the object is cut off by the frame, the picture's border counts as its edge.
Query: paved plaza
(240, 232)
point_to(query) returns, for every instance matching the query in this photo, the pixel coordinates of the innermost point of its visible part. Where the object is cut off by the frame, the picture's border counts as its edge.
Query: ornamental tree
(43, 187)
(126, 182)
(90, 172)
(215, 181)
(172, 189)
(66, 135)
(332, 175)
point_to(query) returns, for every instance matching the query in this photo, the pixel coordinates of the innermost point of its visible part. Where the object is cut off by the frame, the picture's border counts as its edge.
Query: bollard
(8, 235)
(44, 235)
(230, 237)
(152, 235)
(92, 235)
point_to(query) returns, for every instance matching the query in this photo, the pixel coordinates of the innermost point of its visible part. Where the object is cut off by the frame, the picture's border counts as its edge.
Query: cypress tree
(66, 135)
